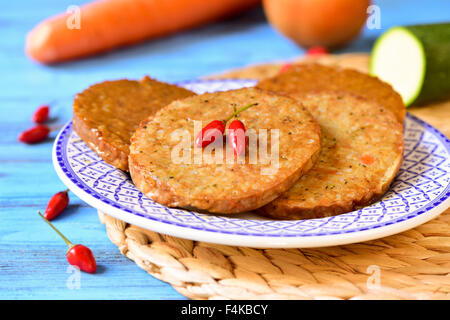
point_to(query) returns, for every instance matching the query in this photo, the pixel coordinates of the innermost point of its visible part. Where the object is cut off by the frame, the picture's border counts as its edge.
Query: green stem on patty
(239, 111)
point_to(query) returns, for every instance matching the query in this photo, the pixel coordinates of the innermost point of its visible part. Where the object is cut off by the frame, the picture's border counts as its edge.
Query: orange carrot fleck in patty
(367, 159)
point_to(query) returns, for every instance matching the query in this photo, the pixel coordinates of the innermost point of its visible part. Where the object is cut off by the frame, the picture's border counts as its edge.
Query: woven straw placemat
(411, 265)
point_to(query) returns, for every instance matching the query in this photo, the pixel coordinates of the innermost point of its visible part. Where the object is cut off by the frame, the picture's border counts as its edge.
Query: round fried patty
(106, 114)
(362, 147)
(305, 78)
(221, 186)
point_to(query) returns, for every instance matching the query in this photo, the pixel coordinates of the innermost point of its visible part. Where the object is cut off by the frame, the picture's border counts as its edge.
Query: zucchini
(415, 60)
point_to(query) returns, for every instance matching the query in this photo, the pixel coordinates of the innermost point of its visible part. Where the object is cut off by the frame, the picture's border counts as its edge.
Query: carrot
(108, 24)
(367, 159)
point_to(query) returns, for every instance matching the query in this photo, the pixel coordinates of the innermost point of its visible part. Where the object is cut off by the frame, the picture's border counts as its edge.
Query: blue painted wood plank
(32, 261)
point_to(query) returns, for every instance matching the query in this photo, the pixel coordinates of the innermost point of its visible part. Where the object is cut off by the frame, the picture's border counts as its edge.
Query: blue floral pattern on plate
(422, 184)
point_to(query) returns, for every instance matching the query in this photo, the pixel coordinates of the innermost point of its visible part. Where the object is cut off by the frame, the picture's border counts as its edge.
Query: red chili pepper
(57, 204)
(237, 139)
(82, 257)
(316, 51)
(285, 67)
(41, 114)
(209, 133)
(36, 134)
(77, 254)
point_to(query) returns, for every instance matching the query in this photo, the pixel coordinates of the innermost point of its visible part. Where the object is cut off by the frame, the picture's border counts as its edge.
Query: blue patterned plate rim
(259, 232)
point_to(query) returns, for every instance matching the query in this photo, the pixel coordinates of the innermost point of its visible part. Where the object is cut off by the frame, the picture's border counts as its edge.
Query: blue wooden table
(32, 260)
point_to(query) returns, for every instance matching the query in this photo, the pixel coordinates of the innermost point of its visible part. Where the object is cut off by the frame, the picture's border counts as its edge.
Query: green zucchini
(415, 60)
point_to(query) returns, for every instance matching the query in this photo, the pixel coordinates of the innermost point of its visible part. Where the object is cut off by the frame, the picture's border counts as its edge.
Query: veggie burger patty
(221, 186)
(106, 114)
(362, 150)
(306, 78)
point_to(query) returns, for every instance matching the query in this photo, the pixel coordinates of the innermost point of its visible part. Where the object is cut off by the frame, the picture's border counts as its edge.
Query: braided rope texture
(414, 264)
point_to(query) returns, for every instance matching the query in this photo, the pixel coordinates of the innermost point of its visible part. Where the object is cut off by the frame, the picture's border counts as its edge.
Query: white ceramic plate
(420, 192)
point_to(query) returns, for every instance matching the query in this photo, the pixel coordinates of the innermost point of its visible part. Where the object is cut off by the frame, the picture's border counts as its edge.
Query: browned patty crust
(305, 78)
(362, 149)
(106, 114)
(222, 187)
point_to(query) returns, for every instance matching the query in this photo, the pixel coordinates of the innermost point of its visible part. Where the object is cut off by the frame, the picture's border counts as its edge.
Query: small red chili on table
(58, 202)
(285, 67)
(41, 114)
(208, 134)
(316, 51)
(77, 254)
(35, 134)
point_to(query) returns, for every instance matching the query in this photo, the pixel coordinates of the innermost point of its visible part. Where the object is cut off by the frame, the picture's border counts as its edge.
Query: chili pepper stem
(239, 111)
(69, 244)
